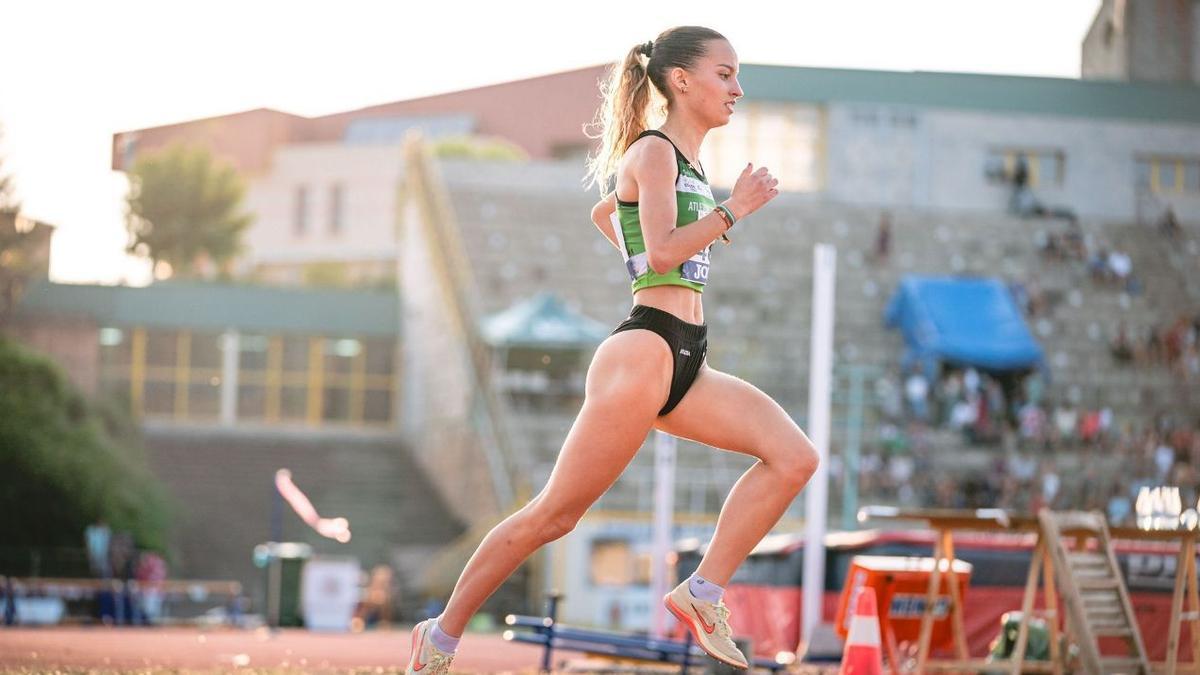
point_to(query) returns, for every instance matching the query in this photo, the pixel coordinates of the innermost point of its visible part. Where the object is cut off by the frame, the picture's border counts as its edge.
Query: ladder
(1095, 599)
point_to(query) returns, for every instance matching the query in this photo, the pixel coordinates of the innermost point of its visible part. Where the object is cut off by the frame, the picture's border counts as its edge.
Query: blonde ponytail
(621, 117)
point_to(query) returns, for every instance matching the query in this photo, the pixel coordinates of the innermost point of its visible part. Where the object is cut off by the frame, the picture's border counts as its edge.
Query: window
(1168, 174)
(1044, 168)
(300, 216)
(785, 138)
(1144, 173)
(615, 562)
(336, 196)
(612, 562)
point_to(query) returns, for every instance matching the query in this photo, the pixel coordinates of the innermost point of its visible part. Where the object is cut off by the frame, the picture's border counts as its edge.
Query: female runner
(651, 373)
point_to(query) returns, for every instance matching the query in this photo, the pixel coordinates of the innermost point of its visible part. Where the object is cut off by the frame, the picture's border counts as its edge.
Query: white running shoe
(709, 624)
(426, 659)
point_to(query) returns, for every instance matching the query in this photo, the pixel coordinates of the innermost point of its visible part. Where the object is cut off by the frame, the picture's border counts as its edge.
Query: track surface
(218, 650)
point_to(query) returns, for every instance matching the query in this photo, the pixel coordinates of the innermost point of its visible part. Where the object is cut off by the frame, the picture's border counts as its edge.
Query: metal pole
(230, 357)
(854, 417)
(552, 614)
(819, 386)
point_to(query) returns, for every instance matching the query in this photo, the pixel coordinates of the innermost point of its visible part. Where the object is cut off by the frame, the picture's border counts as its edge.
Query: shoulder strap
(678, 155)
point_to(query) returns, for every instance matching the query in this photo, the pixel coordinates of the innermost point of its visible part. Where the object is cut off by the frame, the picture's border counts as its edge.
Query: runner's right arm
(602, 217)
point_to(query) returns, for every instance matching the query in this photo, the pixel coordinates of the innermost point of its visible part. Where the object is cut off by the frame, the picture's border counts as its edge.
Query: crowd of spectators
(1108, 266)
(1173, 344)
(1039, 453)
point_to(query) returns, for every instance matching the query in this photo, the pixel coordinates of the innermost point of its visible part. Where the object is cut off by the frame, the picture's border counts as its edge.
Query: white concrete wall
(876, 154)
(939, 161)
(369, 176)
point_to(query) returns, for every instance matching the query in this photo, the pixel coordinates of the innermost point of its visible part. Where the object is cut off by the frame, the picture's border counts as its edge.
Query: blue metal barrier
(551, 635)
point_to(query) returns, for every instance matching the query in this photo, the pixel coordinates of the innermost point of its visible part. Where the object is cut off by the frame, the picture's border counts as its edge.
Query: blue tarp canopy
(970, 322)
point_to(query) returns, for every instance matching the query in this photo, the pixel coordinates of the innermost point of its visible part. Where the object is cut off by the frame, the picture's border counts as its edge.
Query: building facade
(1144, 40)
(324, 191)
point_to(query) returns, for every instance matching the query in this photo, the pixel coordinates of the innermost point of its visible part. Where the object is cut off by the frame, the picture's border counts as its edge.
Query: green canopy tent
(542, 345)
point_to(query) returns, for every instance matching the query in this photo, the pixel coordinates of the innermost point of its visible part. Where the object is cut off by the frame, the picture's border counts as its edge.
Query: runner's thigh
(627, 383)
(729, 413)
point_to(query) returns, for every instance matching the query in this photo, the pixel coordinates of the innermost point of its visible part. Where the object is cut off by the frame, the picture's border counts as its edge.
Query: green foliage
(8, 199)
(184, 208)
(24, 246)
(480, 148)
(64, 462)
(326, 275)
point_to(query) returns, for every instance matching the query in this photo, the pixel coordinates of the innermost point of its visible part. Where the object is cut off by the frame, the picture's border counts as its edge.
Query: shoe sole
(413, 654)
(696, 633)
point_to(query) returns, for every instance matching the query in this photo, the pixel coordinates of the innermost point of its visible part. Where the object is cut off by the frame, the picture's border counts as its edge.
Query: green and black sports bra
(693, 200)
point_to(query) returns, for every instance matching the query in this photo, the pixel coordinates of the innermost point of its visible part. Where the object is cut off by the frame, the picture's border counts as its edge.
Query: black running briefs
(688, 343)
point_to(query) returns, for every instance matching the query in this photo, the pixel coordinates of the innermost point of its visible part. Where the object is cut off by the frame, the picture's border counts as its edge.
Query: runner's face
(713, 87)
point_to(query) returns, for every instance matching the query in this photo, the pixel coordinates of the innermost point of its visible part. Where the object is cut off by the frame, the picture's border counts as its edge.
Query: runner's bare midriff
(684, 303)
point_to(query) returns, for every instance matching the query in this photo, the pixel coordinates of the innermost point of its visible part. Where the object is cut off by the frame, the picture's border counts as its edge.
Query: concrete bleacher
(526, 228)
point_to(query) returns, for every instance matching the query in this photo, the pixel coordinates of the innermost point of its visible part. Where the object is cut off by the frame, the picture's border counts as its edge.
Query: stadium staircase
(222, 486)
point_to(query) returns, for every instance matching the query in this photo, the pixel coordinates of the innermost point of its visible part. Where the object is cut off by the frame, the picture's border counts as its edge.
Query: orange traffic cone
(863, 654)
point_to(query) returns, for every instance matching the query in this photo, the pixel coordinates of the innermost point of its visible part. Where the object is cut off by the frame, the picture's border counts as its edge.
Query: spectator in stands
(123, 558)
(1169, 224)
(1089, 427)
(1037, 299)
(1021, 202)
(1121, 347)
(1065, 420)
(949, 391)
(1034, 385)
(1020, 295)
(1098, 266)
(883, 237)
(1179, 344)
(1119, 265)
(1154, 346)
(916, 389)
(1033, 422)
(971, 382)
(1074, 242)
(1051, 246)
(97, 538)
(1120, 505)
(151, 572)
(887, 392)
(375, 605)
(1164, 459)
(1051, 483)
(900, 468)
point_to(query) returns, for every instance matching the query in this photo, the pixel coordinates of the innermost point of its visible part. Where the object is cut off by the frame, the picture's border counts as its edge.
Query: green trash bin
(284, 564)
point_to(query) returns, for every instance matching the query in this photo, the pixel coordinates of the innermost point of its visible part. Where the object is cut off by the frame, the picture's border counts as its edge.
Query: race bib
(637, 266)
(686, 183)
(695, 269)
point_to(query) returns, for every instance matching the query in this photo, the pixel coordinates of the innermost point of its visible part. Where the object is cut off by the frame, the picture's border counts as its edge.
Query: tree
(24, 246)
(184, 208)
(7, 199)
(66, 462)
(486, 148)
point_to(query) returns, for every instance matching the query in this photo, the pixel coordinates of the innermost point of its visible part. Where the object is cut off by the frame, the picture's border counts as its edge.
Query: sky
(74, 73)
